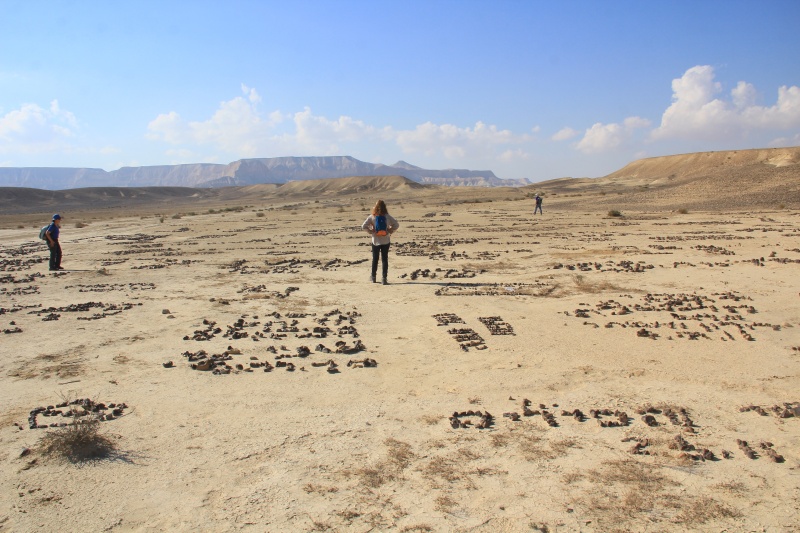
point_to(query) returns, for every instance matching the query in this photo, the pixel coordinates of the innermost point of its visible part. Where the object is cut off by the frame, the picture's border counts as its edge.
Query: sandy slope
(727, 180)
(372, 449)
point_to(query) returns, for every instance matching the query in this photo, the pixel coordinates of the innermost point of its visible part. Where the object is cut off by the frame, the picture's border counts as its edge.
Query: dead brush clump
(78, 441)
(82, 439)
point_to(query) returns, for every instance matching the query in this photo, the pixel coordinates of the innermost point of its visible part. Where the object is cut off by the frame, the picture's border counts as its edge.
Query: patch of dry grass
(319, 489)
(398, 457)
(445, 504)
(629, 495)
(416, 527)
(701, 509)
(431, 419)
(732, 487)
(584, 286)
(445, 468)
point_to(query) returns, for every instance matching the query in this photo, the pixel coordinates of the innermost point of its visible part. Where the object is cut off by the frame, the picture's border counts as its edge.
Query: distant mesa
(242, 172)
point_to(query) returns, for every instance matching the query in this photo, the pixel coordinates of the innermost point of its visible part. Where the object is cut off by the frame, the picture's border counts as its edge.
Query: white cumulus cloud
(236, 126)
(239, 128)
(455, 142)
(565, 134)
(699, 111)
(35, 129)
(607, 137)
(319, 134)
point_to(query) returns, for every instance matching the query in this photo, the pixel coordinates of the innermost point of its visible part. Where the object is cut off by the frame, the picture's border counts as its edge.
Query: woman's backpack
(381, 228)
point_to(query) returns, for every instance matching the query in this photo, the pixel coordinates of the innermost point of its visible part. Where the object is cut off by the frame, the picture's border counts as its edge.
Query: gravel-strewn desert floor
(566, 372)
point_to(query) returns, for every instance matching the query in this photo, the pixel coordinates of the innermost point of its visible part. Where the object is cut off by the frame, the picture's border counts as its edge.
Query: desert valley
(627, 361)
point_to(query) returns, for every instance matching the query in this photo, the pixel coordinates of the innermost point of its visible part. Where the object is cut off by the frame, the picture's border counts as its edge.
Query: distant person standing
(51, 234)
(538, 205)
(380, 224)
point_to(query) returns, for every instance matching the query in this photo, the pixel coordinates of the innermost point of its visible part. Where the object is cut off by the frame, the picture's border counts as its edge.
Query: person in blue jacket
(380, 224)
(51, 234)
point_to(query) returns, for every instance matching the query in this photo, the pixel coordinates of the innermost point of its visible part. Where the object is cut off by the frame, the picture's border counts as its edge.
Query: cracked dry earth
(566, 372)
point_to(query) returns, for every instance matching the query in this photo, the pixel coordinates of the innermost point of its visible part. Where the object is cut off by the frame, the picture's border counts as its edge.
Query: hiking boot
(385, 281)
(372, 278)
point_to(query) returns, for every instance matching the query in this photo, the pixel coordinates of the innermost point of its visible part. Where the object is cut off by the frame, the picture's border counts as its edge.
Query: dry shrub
(79, 441)
(614, 213)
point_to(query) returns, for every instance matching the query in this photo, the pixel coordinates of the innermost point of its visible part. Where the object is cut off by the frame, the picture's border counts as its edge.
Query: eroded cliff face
(242, 172)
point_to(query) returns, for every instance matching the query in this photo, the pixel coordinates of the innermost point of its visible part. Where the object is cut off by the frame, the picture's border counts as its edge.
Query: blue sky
(528, 89)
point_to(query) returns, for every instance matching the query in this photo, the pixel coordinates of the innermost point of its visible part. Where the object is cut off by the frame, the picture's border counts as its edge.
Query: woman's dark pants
(55, 256)
(383, 250)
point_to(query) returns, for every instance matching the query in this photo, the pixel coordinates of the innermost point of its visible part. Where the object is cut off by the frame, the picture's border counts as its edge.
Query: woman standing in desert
(380, 224)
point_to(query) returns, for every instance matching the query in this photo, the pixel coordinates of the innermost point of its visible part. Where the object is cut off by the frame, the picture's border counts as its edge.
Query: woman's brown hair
(380, 208)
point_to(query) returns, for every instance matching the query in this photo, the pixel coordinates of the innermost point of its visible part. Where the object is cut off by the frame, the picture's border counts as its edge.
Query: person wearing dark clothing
(538, 205)
(51, 234)
(380, 238)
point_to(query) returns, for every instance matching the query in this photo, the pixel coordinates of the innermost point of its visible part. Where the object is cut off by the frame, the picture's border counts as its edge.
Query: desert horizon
(611, 365)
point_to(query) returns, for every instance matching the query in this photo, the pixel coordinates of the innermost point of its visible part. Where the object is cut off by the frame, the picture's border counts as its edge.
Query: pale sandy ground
(371, 449)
